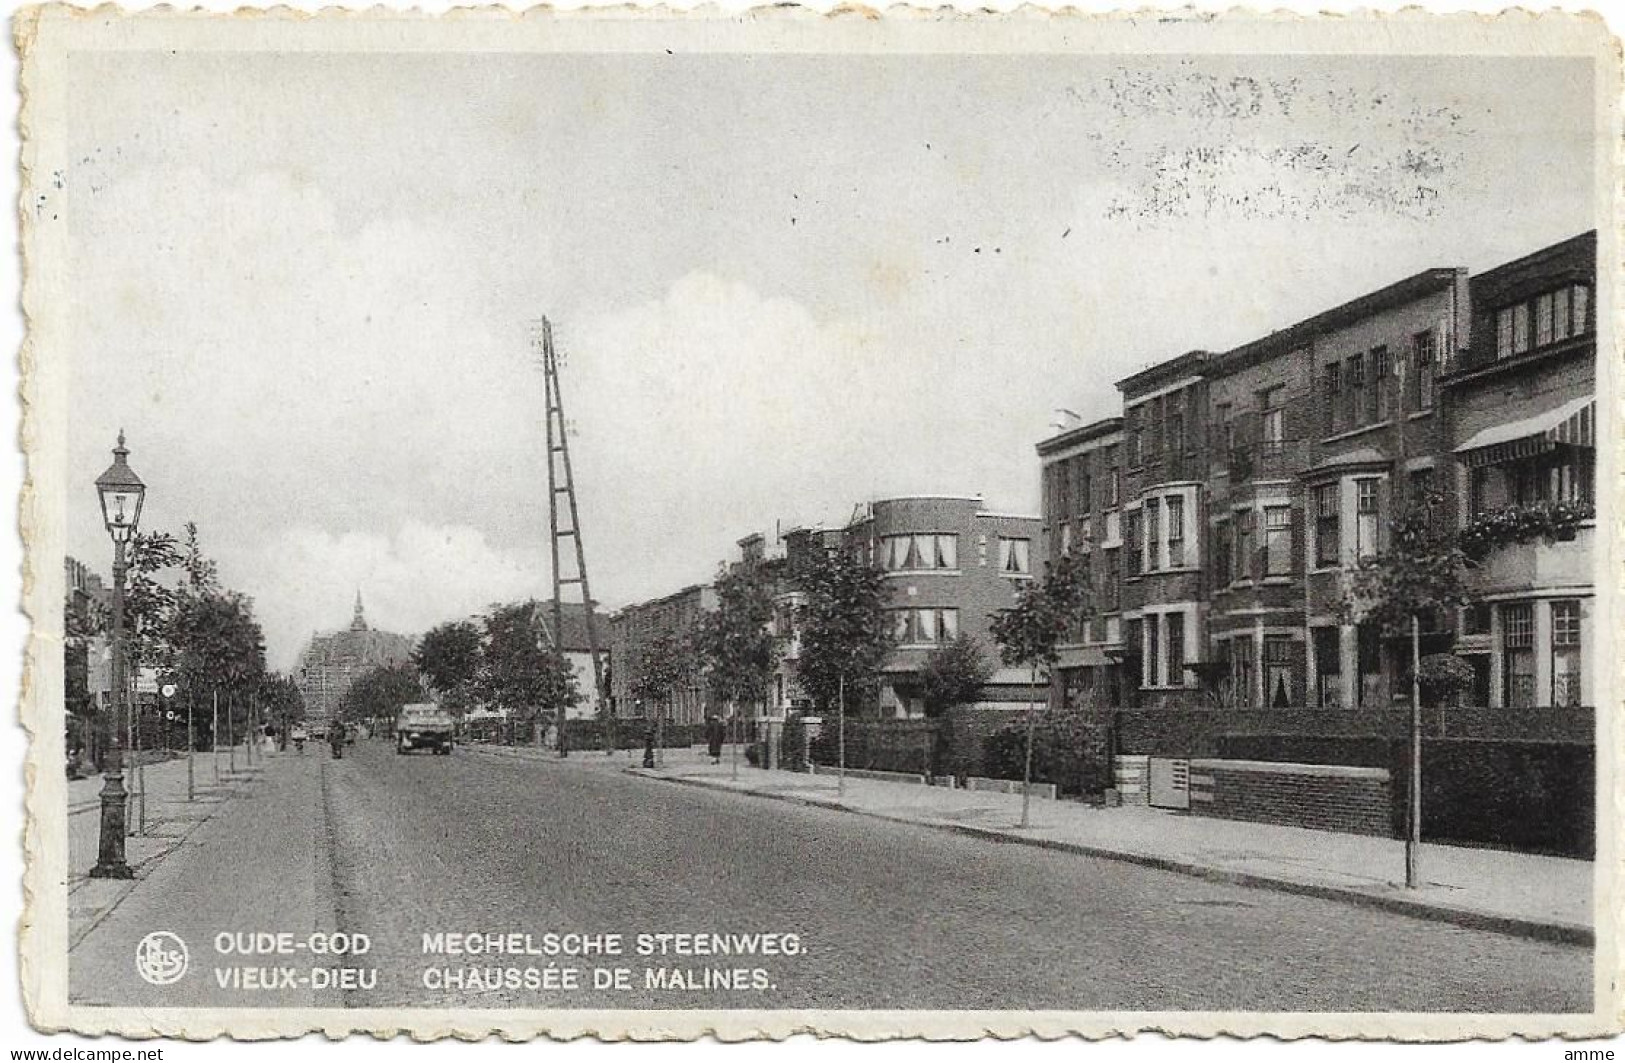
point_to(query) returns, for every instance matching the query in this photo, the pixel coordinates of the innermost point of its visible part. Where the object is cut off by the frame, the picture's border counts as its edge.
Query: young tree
(845, 637)
(735, 642)
(954, 674)
(448, 659)
(1417, 578)
(842, 622)
(663, 664)
(218, 645)
(283, 704)
(520, 670)
(1029, 632)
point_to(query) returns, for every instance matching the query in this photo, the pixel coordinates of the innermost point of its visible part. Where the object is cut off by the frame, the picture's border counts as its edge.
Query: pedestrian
(714, 734)
(649, 745)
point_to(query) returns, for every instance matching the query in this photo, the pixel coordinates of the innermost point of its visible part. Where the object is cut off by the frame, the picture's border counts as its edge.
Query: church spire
(360, 621)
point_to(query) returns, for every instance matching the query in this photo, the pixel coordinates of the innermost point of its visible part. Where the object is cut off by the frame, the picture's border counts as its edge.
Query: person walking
(715, 732)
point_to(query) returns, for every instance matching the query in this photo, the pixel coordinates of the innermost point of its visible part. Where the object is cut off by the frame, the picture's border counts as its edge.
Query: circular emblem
(161, 958)
(168, 690)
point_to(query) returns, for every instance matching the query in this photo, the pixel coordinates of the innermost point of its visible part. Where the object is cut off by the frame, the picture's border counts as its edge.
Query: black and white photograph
(889, 526)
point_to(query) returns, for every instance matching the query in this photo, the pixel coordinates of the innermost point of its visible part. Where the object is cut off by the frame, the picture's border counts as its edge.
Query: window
(1543, 318)
(1066, 539)
(1153, 533)
(1221, 554)
(1176, 435)
(1015, 558)
(1244, 544)
(1424, 359)
(911, 552)
(1153, 652)
(1565, 654)
(1354, 391)
(1086, 488)
(1560, 316)
(923, 627)
(1366, 516)
(1476, 619)
(1278, 686)
(1520, 328)
(1113, 484)
(1086, 532)
(1518, 654)
(1328, 540)
(1131, 541)
(1581, 317)
(1176, 649)
(1274, 424)
(1278, 540)
(1243, 671)
(1221, 416)
(1114, 578)
(1333, 400)
(1503, 333)
(1377, 393)
(1328, 668)
(1176, 532)
(1134, 451)
(1478, 485)
(1420, 487)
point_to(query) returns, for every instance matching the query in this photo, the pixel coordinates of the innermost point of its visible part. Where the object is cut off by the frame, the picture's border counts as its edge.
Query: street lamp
(122, 494)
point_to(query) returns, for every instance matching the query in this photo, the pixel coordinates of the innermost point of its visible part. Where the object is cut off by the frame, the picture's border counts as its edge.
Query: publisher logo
(161, 958)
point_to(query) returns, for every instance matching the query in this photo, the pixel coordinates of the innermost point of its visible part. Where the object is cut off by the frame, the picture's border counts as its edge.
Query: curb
(1557, 933)
(147, 867)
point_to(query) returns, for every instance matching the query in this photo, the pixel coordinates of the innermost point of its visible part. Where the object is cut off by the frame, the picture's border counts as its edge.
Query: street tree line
(189, 628)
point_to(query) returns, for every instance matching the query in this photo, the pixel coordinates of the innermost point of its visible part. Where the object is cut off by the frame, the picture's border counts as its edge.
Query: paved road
(888, 916)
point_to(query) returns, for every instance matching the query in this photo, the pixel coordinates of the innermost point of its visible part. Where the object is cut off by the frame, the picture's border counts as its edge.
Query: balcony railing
(1268, 459)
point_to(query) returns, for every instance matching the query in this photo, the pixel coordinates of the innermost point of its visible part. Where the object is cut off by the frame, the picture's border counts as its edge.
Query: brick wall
(1318, 796)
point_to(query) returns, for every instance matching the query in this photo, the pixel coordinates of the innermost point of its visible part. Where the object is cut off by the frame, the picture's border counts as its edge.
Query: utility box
(1170, 783)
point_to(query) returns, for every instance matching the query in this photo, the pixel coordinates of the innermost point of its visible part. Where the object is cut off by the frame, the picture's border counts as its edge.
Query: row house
(634, 629)
(1241, 486)
(1520, 404)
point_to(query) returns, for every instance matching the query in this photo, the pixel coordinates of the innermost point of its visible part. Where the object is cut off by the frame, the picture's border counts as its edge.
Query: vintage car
(424, 726)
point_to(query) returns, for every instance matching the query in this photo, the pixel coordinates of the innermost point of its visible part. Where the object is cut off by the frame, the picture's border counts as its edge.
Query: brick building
(334, 660)
(951, 565)
(1520, 414)
(1251, 480)
(1082, 488)
(634, 629)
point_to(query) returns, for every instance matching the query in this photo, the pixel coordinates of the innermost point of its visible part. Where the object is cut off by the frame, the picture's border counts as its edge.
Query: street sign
(147, 681)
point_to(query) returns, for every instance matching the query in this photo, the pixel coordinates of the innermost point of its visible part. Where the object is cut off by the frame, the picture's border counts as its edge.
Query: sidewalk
(257, 861)
(1543, 897)
(170, 820)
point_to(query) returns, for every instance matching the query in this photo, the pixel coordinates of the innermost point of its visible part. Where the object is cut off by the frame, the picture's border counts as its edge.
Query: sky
(780, 285)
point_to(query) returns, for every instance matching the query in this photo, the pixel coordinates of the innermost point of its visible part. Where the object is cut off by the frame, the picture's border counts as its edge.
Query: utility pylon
(565, 523)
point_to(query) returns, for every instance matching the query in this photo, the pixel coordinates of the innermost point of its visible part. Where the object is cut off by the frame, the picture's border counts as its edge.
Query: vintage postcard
(898, 524)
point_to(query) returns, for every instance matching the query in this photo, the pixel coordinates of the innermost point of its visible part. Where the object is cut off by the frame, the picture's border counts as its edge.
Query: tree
(150, 604)
(735, 642)
(520, 670)
(217, 645)
(954, 674)
(448, 659)
(283, 703)
(662, 665)
(379, 693)
(1029, 632)
(1417, 578)
(842, 622)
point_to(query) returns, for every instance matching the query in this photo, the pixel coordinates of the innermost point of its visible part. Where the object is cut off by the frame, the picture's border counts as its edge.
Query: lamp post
(122, 493)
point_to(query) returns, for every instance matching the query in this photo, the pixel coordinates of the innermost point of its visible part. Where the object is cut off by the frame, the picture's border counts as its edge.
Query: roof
(1081, 434)
(1151, 376)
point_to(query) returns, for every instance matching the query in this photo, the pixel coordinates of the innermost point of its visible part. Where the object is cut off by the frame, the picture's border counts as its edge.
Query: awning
(1571, 424)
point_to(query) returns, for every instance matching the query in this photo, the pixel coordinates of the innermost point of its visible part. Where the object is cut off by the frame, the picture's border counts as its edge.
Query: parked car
(424, 726)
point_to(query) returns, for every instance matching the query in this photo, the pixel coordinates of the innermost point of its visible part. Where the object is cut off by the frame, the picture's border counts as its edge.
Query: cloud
(305, 579)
